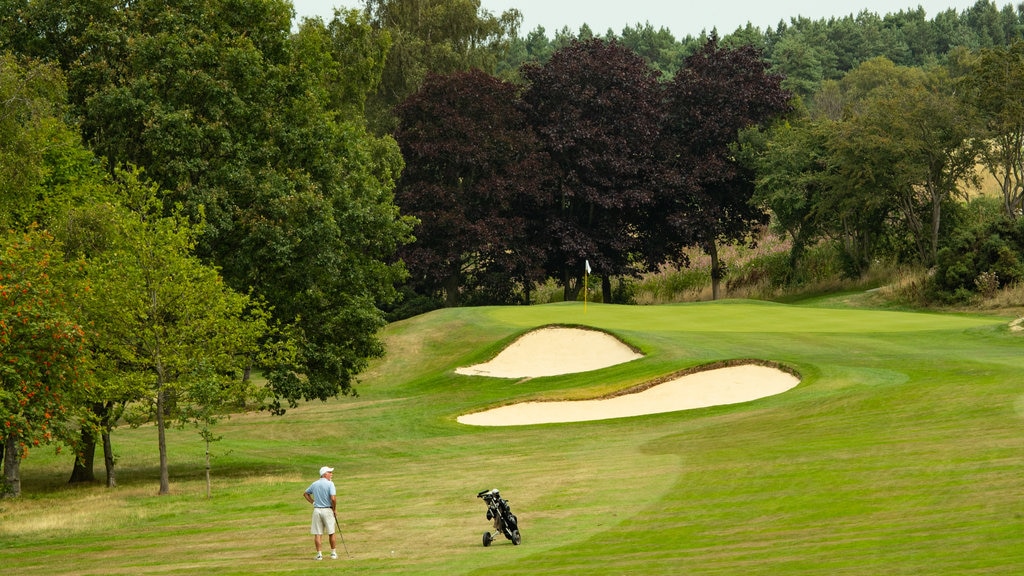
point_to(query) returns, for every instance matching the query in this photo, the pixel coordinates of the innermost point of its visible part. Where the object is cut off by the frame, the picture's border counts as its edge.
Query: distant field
(899, 453)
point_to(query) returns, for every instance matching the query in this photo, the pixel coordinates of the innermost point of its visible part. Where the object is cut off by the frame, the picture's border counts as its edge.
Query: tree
(352, 72)
(259, 134)
(86, 234)
(31, 97)
(858, 201)
(45, 172)
(167, 321)
(707, 190)
(51, 30)
(994, 86)
(44, 168)
(472, 177)
(916, 31)
(801, 60)
(433, 36)
(594, 106)
(913, 141)
(860, 85)
(657, 47)
(533, 47)
(794, 179)
(42, 351)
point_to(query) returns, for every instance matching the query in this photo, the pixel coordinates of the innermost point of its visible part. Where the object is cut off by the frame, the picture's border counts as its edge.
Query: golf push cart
(504, 520)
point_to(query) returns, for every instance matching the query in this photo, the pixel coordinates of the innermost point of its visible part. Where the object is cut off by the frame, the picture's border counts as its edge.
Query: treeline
(593, 163)
(806, 51)
(516, 181)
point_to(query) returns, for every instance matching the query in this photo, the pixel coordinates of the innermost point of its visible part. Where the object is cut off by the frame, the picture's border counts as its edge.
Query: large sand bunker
(715, 387)
(554, 351)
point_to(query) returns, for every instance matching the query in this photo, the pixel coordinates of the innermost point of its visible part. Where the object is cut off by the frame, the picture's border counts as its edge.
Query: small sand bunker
(715, 387)
(552, 352)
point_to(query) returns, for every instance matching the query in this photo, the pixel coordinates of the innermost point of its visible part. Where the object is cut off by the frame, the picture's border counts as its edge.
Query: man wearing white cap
(324, 497)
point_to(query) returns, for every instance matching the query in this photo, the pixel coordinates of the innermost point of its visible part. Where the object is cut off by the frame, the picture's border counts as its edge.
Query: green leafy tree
(258, 133)
(801, 58)
(42, 351)
(167, 321)
(994, 86)
(51, 30)
(857, 202)
(794, 178)
(31, 98)
(657, 47)
(917, 32)
(343, 59)
(433, 36)
(860, 85)
(913, 141)
(47, 174)
(84, 232)
(44, 168)
(535, 46)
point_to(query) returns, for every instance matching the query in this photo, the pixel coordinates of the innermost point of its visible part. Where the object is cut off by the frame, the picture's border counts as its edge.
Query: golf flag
(586, 268)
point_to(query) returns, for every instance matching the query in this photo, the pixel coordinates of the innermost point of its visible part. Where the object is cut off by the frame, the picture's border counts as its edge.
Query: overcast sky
(681, 17)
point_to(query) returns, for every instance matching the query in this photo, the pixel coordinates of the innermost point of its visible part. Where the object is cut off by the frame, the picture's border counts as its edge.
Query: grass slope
(899, 453)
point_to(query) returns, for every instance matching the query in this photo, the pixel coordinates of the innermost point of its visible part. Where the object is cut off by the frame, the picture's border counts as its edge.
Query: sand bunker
(715, 387)
(554, 351)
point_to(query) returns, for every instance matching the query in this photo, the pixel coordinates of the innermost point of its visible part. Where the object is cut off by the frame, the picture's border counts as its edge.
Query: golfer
(324, 497)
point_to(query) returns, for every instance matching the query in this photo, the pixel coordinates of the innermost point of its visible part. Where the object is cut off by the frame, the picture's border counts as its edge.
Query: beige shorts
(323, 522)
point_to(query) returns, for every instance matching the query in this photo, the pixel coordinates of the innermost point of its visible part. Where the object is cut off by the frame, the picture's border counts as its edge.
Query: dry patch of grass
(82, 510)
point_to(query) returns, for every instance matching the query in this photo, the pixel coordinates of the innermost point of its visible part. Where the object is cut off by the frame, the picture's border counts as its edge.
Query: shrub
(981, 256)
(987, 283)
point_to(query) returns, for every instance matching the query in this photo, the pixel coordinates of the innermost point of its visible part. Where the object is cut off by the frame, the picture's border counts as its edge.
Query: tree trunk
(716, 269)
(936, 217)
(12, 468)
(208, 487)
(570, 287)
(108, 457)
(82, 471)
(165, 481)
(606, 289)
(451, 289)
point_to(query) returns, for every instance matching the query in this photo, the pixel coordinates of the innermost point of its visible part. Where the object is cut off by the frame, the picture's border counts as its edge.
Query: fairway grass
(900, 452)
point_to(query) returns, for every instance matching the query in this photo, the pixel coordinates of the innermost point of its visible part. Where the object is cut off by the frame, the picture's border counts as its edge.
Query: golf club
(337, 527)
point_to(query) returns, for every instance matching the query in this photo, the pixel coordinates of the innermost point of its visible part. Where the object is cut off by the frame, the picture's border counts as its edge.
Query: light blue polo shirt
(322, 490)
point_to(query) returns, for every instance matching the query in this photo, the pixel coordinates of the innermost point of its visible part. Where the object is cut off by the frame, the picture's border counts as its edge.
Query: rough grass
(899, 453)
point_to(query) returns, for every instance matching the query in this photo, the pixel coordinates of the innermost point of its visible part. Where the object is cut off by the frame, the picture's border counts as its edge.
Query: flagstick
(586, 283)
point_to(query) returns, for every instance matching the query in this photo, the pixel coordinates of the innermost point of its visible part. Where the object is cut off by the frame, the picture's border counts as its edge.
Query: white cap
(325, 470)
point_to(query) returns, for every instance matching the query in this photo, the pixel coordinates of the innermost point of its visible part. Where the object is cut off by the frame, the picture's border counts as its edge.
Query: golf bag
(504, 520)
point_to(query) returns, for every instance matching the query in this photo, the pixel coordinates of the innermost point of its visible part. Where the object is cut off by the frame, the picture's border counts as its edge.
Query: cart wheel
(516, 538)
(487, 539)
